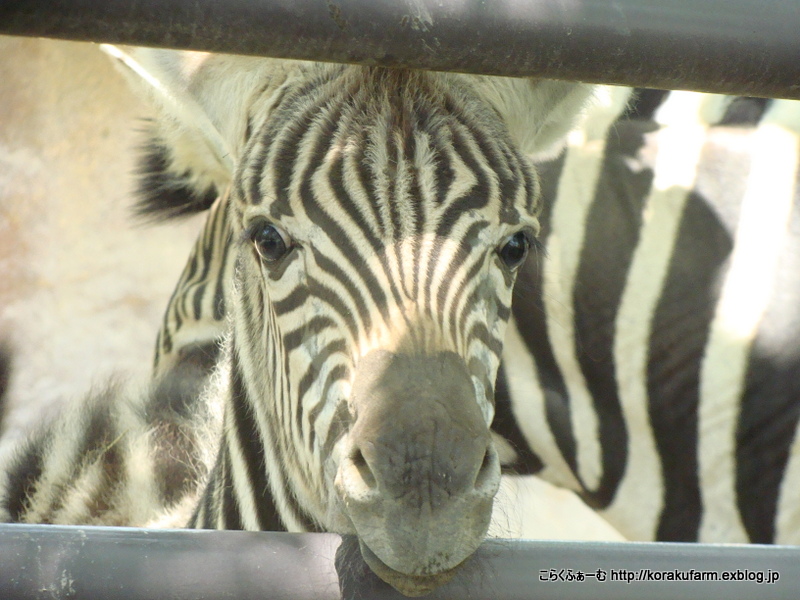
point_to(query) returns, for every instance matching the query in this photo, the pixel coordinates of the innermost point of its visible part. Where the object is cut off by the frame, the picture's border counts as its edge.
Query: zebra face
(382, 217)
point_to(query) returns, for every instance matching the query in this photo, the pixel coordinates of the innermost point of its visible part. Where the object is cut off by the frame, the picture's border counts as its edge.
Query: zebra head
(379, 218)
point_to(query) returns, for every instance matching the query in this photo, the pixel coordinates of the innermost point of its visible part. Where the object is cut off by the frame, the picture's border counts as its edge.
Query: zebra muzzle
(420, 474)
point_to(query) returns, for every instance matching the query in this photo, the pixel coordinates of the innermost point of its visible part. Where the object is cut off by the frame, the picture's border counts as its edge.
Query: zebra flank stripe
(594, 333)
(525, 460)
(682, 312)
(745, 111)
(769, 415)
(671, 378)
(529, 313)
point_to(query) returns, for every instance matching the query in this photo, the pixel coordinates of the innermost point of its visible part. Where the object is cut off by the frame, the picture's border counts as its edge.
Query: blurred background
(82, 284)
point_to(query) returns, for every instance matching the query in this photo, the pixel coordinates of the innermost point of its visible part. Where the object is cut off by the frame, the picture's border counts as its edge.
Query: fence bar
(746, 47)
(104, 563)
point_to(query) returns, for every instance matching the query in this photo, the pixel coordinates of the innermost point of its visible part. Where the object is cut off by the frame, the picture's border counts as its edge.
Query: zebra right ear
(537, 112)
(202, 104)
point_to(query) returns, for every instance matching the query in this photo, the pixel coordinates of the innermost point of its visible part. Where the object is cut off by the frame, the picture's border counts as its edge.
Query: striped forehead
(405, 151)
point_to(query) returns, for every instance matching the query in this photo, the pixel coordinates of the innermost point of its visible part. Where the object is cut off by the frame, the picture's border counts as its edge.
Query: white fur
(538, 112)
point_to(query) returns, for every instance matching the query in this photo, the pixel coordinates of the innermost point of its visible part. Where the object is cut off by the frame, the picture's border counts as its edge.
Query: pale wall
(82, 286)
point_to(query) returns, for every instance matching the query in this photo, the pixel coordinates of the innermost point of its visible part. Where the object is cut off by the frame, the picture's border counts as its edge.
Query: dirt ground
(83, 286)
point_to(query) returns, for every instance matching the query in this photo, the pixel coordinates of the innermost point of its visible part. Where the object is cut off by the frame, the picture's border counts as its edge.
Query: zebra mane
(164, 194)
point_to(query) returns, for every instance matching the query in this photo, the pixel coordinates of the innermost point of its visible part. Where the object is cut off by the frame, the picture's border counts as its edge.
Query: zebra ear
(202, 105)
(538, 112)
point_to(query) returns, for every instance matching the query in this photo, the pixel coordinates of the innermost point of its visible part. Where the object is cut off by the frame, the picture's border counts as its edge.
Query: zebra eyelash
(538, 247)
(248, 234)
(535, 244)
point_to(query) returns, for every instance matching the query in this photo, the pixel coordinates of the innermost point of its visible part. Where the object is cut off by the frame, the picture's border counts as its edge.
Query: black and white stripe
(639, 368)
(377, 190)
(395, 193)
(650, 361)
(196, 313)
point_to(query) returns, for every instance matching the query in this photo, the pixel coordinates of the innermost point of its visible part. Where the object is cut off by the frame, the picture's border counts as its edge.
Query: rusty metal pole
(104, 563)
(745, 47)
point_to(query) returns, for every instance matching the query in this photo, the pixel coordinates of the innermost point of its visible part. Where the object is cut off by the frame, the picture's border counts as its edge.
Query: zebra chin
(408, 585)
(420, 471)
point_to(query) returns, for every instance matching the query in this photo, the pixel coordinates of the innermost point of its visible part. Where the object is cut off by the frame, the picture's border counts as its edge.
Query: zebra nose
(419, 431)
(362, 483)
(420, 472)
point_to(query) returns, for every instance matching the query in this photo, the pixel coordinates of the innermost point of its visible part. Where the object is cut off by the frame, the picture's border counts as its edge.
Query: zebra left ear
(183, 127)
(538, 112)
(202, 104)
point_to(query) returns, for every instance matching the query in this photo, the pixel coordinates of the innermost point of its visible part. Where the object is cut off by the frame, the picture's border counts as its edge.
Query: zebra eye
(270, 243)
(515, 249)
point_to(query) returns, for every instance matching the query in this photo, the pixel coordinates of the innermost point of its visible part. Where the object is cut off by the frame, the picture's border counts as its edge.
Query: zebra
(578, 394)
(377, 219)
(650, 361)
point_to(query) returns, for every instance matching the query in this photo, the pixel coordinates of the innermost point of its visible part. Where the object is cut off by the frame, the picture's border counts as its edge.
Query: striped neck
(240, 494)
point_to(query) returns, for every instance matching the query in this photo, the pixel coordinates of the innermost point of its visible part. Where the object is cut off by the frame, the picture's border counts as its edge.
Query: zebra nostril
(362, 467)
(490, 470)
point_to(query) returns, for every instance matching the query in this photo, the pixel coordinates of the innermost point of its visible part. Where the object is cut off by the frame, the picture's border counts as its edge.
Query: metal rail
(746, 47)
(104, 563)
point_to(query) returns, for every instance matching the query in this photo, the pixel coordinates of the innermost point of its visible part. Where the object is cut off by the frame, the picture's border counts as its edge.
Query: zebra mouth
(408, 585)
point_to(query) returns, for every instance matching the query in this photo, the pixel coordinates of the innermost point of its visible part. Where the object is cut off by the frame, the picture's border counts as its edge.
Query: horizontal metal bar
(745, 47)
(126, 564)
